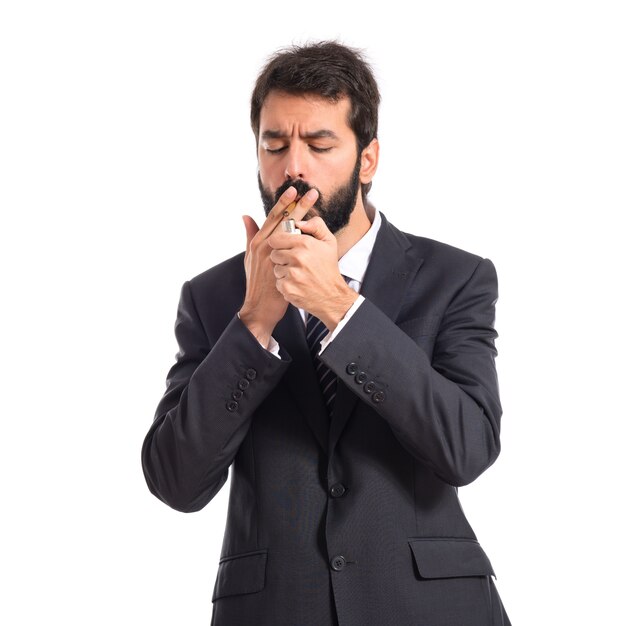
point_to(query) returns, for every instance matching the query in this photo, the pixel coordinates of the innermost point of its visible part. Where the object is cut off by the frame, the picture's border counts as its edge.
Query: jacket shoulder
(443, 260)
(218, 293)
(222, 276)
(431, 249)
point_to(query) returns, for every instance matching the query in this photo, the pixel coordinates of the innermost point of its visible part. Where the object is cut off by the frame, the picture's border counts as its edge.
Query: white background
(126, 162)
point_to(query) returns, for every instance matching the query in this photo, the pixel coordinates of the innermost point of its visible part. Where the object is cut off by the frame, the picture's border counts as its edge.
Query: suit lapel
(392, 267)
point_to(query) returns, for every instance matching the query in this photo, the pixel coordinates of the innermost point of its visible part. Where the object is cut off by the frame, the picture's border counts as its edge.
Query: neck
(358, 225)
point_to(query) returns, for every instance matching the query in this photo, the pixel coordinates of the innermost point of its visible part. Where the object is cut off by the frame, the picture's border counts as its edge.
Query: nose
(295, 162)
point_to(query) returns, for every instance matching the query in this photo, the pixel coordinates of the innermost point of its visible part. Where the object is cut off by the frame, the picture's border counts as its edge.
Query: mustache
(301, 187)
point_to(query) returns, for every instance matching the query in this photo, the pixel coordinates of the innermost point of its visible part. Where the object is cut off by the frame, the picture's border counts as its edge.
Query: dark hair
(327, 69)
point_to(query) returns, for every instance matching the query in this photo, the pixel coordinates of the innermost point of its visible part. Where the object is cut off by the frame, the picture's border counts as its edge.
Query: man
(347, 448)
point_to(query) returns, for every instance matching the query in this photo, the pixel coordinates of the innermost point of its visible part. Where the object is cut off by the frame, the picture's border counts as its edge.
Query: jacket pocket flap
(448, 558)
(241, 573)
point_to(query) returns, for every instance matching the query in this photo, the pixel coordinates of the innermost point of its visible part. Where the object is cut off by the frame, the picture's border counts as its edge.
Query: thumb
(251, 228)
(316, 227)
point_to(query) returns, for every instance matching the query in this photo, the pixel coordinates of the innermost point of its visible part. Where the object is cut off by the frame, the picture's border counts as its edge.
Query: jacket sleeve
(212, 392)
(447, 412)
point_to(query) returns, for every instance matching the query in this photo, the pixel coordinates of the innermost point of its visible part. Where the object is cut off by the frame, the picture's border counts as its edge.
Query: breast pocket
(240, 573)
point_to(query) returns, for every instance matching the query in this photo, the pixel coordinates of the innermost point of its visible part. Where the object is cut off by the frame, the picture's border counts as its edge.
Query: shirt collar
(355, 261)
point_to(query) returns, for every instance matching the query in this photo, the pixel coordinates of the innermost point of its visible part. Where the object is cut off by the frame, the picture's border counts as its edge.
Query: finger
(276, 215)
(301, 208)
(251, 228)
(279, 257)
(316, 227)
(279, 272)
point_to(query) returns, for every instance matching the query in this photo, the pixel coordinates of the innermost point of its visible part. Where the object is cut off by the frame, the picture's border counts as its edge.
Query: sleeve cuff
(273, 346)
(349, 313)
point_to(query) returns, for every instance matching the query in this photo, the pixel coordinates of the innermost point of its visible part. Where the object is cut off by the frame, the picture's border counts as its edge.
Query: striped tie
(315, 332)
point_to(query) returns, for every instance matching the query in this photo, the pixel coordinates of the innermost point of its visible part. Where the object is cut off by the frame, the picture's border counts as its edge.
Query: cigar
(291, 207)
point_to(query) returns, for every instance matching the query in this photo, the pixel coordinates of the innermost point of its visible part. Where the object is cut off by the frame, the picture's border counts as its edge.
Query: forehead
(309, 112)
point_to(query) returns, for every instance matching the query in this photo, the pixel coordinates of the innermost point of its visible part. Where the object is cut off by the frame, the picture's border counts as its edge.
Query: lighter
(289, 226)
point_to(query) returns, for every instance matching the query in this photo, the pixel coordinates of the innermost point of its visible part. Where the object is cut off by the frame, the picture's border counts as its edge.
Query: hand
(264, 306)
(307, 273)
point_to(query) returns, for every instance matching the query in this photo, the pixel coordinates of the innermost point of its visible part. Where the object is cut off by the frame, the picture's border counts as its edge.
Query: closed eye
(283, 148)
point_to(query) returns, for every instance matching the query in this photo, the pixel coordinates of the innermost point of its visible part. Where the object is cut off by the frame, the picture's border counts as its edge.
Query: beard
(334, 210)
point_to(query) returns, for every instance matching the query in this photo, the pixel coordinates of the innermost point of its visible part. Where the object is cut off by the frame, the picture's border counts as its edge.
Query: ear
(369, 162)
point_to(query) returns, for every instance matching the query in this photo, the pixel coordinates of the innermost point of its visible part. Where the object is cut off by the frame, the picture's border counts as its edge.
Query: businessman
(344, 373)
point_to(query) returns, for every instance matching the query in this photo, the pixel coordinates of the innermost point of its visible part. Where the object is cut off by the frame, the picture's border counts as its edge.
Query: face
(305, 141)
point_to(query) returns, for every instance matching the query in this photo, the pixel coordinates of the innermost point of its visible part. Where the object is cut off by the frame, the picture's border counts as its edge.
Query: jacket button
(378, 396)
(338, 563)
(368, 387)
(231, 405)
(352, 369)
(337, 490)
(236, 395)
(243, 384)
(251, 374)
(361, 377)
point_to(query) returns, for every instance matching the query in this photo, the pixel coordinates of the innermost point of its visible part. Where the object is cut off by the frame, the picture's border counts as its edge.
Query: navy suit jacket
(354, 521)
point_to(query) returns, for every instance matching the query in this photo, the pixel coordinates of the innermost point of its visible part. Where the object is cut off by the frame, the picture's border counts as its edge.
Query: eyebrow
(316, 134)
